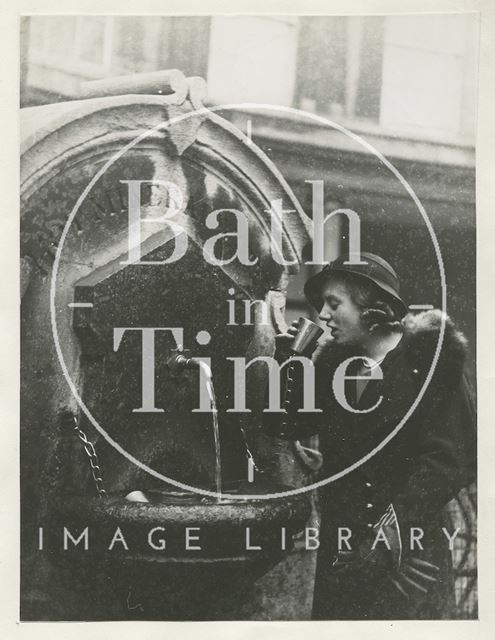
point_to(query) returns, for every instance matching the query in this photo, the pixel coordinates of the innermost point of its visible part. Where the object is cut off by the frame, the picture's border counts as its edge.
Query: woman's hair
(378, 309)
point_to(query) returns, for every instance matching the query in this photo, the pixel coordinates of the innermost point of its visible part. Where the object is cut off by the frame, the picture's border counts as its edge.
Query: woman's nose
(325, 314)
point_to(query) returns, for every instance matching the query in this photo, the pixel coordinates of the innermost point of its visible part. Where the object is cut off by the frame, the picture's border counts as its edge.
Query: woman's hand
(283, 342)
(412, 577)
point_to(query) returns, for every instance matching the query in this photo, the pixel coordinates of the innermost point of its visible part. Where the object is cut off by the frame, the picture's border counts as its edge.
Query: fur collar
(421, 335)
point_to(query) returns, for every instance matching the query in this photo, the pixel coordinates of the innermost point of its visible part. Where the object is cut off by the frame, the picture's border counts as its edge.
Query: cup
(307, 334)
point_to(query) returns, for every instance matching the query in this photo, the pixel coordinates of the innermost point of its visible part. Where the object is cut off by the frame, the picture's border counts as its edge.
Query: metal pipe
(178, 361)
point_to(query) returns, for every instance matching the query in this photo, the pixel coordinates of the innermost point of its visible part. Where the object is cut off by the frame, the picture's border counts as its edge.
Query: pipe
(164, 83)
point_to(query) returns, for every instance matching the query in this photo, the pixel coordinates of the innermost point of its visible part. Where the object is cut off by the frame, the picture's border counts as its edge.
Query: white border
(9, 324)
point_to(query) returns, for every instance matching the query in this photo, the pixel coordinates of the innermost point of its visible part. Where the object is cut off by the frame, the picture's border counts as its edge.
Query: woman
(402, 489)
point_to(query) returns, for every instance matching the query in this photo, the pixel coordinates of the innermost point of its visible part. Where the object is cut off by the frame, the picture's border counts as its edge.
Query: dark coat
(418, 471)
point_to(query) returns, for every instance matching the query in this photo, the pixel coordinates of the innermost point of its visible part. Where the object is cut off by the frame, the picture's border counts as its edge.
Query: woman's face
(342, 315)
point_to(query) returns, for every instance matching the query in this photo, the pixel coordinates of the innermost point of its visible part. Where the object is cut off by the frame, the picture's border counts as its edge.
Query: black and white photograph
(248, 320)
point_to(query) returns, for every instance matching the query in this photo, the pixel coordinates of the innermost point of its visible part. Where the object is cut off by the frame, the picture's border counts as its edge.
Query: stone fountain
(84, 418)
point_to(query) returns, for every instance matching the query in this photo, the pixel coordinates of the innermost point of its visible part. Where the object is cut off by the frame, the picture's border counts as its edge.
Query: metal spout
(179, 360)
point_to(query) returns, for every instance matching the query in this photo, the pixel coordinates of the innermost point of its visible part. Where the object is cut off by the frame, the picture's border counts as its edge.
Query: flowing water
(216, 434)
(208, 376)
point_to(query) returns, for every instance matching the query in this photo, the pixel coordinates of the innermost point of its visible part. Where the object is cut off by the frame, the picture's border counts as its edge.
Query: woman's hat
(368, 266)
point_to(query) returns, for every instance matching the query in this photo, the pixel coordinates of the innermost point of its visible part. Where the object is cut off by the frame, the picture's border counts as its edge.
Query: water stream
(216, 434)
(139, 496)
(208, 376)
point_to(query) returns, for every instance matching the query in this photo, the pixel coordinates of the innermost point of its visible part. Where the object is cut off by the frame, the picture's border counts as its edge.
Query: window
(184, 43)
(76, 43)
(99, 46)
(322, 64)
(128, 46)
(369, 86)
(339, 70)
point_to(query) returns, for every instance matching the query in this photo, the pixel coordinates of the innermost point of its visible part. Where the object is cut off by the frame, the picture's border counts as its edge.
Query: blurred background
(405, 83)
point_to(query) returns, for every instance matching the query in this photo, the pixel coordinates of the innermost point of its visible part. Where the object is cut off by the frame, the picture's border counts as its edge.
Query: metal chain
(287, 393)
(93, 458)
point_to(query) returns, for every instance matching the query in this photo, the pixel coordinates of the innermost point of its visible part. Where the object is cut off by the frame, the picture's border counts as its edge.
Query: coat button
(368, 484)
(369, 505)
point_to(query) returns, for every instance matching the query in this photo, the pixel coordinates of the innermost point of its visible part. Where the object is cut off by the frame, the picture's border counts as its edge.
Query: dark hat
(368, 266)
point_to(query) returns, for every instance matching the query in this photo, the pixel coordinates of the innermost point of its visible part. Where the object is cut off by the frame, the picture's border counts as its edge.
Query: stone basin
(225, 526)
(191, 583)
